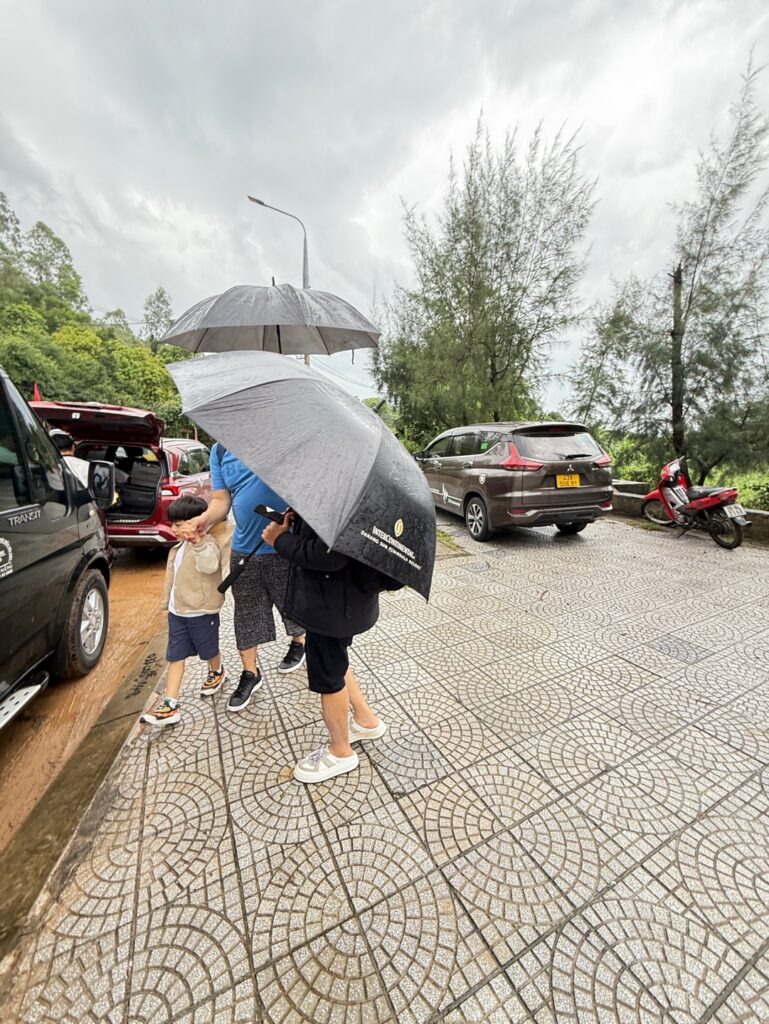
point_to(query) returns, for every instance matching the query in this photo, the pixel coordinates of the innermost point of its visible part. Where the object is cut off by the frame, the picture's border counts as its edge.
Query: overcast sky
(135, 129)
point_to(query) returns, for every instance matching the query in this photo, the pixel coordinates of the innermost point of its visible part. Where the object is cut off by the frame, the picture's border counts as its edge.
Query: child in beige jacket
(190, 594)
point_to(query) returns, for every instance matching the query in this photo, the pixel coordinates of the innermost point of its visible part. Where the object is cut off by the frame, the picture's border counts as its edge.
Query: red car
(150, 470)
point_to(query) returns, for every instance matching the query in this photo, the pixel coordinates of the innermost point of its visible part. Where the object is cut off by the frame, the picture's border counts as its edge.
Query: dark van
(54, 558)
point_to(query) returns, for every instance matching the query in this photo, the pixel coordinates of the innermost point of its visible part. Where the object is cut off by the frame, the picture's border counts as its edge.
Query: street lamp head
(259, 202)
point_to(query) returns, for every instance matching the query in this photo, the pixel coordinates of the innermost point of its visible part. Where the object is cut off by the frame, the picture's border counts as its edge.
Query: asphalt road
(37, 744)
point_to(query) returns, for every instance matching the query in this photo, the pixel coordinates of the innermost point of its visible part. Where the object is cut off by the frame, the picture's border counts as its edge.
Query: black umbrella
(328, 455)
(277, 318)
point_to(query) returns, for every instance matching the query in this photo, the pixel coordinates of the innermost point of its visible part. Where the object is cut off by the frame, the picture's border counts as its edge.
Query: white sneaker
(322, 765)
(358, 732)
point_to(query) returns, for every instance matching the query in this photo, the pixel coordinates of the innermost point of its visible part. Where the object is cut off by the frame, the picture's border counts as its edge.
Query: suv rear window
(554, 445)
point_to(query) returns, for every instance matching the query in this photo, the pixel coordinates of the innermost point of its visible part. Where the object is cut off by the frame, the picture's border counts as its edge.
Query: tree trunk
(677, 366)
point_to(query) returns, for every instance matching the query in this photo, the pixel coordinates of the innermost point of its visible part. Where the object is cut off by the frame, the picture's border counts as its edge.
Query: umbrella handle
(240, 565)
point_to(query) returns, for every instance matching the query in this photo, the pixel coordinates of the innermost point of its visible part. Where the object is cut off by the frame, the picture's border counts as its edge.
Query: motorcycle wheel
(655, 512)
(725, 531)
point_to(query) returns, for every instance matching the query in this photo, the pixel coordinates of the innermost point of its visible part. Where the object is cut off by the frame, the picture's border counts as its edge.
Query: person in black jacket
(330, 595)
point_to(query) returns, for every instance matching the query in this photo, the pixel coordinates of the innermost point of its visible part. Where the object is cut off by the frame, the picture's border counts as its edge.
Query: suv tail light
(516, 461)
(169, 490)
(603, 460)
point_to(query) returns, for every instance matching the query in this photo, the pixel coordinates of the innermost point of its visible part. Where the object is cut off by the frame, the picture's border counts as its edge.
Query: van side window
(45, 465)
(488, 440)
(442, 447)
(465, 444)
(14, 491)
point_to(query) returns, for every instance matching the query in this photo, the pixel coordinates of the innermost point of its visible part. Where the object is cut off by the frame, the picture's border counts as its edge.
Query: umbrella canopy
(329, 456)
(277, 318)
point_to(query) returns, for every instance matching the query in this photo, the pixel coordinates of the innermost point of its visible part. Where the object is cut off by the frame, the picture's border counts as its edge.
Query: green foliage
(708, 396)
(48, 338)
(157, 317)
(496, 280)
(753, 485)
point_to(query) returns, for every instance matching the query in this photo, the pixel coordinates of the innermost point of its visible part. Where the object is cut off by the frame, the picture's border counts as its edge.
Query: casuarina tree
(496, 278)
(157, 317)
(683, 359)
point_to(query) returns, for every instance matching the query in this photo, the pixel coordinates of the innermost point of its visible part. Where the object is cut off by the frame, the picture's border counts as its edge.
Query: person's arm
(219, 504)
(306, 552)
(207, 555)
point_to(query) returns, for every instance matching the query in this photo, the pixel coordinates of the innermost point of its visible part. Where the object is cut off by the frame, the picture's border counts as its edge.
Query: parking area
(567, 821)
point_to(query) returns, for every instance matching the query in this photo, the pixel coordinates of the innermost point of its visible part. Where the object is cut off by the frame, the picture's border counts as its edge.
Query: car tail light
(603, 460)
(169, 490)
(517, 511)
(606, 504)
(516, 461)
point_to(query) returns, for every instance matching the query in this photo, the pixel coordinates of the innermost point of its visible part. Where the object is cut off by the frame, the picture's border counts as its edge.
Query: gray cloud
(136, 130)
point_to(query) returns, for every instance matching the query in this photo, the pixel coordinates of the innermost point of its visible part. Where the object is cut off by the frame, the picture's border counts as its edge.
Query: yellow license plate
(567, 480)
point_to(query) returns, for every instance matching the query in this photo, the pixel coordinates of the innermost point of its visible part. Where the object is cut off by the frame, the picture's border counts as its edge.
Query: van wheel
(569, 529)
(85, 630)
(477, 519)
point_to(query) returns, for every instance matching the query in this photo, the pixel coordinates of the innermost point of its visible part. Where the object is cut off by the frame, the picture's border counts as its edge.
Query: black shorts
(188, 636)
(327, 662)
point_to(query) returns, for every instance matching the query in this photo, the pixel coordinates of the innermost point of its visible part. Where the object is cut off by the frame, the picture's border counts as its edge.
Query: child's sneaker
(163, 714)
(214, 682)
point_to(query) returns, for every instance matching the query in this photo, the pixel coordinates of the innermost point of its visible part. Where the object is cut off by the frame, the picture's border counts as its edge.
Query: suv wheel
(477, 519)
(569, 529)
(85, 630)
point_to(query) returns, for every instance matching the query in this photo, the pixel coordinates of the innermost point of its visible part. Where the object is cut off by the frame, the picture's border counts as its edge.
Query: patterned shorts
(261, 585)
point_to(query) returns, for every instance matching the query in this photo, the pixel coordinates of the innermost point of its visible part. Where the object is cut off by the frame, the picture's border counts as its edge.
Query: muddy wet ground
(36, 745)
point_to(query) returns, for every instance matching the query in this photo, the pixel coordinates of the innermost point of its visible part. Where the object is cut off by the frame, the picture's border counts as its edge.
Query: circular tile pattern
(331, 979)
(723, 865)
(644, 945)
(184, 821)
(188, 961)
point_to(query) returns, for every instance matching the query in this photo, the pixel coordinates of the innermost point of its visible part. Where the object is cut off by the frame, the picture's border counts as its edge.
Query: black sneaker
(241, 696)
(294, 657)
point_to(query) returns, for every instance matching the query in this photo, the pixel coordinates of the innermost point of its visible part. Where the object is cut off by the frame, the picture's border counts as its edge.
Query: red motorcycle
(712, 509)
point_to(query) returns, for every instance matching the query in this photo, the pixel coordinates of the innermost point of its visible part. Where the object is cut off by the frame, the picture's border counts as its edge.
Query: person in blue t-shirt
(264, 581)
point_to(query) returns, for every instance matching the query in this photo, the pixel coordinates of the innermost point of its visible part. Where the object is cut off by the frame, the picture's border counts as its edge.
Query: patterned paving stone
(509, 787)
(523, 713)
(426, 948)
(429, 705)
(410, 761)
(579, 856)
(578, 751)
(592, 984)
(332, 978)
(566, 821)
(508, 897)
(494, 1003)
(463, 739)
(378, 859)
(748, 1001)
(717, 868)
(450, 817)
(188, 961)
(683, 964)
(293, 894)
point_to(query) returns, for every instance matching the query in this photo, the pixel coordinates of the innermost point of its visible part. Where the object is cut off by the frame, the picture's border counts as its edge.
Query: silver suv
(519, 474)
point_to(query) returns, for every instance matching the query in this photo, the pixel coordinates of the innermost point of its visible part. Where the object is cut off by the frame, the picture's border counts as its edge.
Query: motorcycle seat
(704, 492)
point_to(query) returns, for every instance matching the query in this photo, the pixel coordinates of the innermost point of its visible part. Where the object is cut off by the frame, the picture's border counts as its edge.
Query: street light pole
(305, 260)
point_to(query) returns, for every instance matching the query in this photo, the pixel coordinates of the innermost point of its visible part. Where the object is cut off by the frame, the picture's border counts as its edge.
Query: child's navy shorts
(198, 634)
